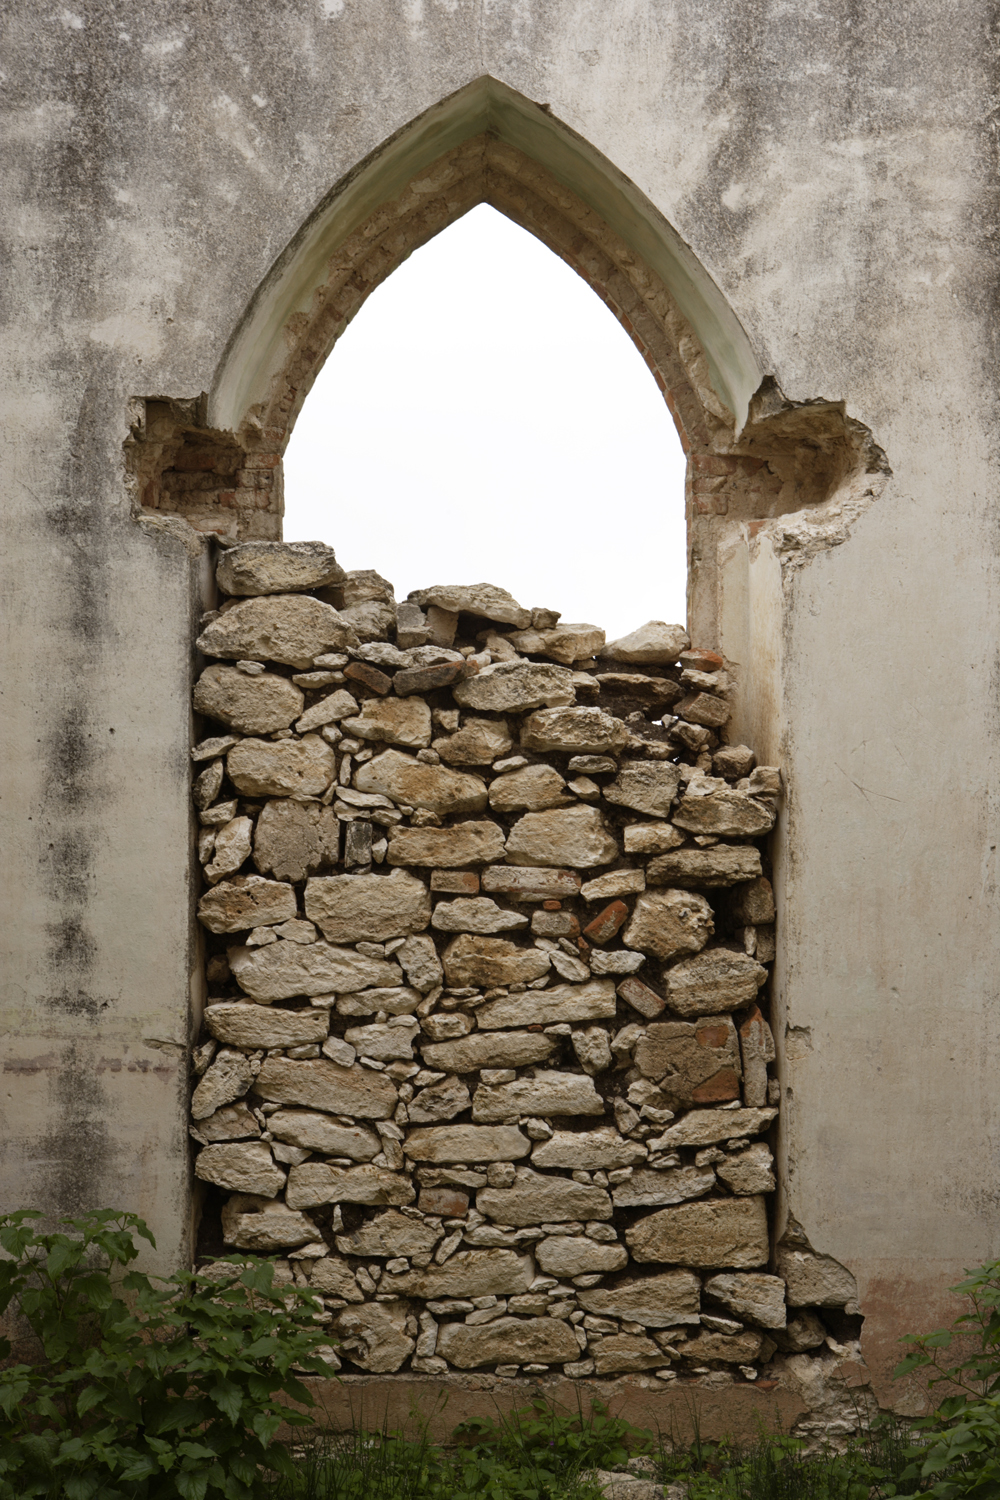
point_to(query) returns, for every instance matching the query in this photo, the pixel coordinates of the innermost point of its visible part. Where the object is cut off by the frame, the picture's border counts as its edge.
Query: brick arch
(752, 456)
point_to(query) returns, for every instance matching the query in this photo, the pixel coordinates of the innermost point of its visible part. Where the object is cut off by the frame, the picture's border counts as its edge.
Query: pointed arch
(753, 455)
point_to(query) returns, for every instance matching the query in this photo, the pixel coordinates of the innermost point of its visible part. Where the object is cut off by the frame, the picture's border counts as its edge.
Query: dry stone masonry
(486, 1052)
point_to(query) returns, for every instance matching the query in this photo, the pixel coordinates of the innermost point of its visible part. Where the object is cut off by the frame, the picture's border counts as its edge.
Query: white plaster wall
(831, 167)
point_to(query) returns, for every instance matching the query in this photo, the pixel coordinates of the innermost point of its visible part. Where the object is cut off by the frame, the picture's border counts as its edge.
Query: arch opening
(754, 457)
(484, 401)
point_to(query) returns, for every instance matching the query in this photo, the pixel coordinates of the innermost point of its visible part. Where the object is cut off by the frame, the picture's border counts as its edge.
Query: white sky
(485, 418)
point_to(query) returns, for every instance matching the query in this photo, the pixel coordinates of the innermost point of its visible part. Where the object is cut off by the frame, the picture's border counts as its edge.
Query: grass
(543, 1454)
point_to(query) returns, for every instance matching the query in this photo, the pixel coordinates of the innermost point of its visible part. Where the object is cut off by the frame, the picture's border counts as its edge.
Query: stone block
(294, 839)
(720, 979)
(548, 1093)
(667, 1299)
(252, 568)
(576, 836)
(315, 1131)
(728, 814)
(752, 1295)
(669, 923)
(389, 1233)
(485, 961)
(592, 1001)
(367, 908)
(253, 705)
(500, 1049)
(283, 970)
(537, 1198)
(721, 865)
(815, 1280)
(374, 1336)
(459, 844)
(645, 786)
(322, 1085)
(242, 1167)
(470, 1273)
(315, 1183)
(282, 768)
(532, 789)
(576, 1255)
(479, 742)
(246, 901)
(507, 1340)
(240, 1025)
(289, 628)
(515, 687)
(647, 1188)
(588, 1149)
(714, 1233)
(474, 1143)
(411, 783)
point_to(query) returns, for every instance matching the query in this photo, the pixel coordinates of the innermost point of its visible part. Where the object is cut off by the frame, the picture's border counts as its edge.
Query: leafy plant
(143, 1391)
(959, 1458)
(538, 1453)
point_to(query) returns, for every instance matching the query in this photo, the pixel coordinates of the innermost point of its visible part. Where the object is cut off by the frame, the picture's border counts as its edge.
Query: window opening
(486, 416)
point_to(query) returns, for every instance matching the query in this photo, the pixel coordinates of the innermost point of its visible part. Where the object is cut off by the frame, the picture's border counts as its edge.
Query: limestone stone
(439, 1101)
(486, 961)
(400, 1000)
(548, 1093)
(448, 1143)
(315, 1183)
(728, 814)
(242, 1167)
(374, 1336)
(428, 679)
(647, 1188)
(389, 1233)
(719, 979)
(667, 923)
(508, 1340)
(385, 1043)
(225, 1081)
(206, 786)
(588, 1149)
(531, 884)
(333, 1277)
(646, 786)
(737, 1349)
(501, 1049)
(575, 836)
(282, 768)
(703, 1127)
(749, 1171)
(233, 1122)
(563, 1002)
(516, 686)
(593, 1049)
(284, 969)
(254, 705)
(371, 620)
(447, 848)
(293, 839)
(719, 1232)
(475, 914)
(397, 721)
(576, 1255)
(246, 901)
(757, 1045)
(753, 904)
(418, 956)
(314, 1131)
(618, 961)
(804, 1331)
(704, 709)
(323, 1085)
(563, 643)
(479, 742)
(240, 1025)
(723, 864)
(482, 599)
(615, 883)
(574, 731)
(655, 643)
(367, 908)
(232, 847)
(532, 789)
(252, 568)
(693, 1063)
(470, 1273)
(288, 628)
(815, 1280)
(435, 788)
(752, 1295)
(652, 838)
(626, 1353)
(328, 710)
(262, 1225)
(537, 1198)
(666, 1299)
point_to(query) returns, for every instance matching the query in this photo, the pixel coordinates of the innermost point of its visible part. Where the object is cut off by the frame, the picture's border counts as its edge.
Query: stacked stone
(486, 1058)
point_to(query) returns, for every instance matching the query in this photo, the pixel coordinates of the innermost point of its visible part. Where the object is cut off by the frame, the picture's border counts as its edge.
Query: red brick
(552, 906)
(607, 923)
(718, 1089)
(443, 1202)
(362, 671)
(641, 998)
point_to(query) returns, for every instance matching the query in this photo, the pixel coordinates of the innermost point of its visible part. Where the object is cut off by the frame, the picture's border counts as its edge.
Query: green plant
(141, 1391)
(959, 1458)
(538, 1453)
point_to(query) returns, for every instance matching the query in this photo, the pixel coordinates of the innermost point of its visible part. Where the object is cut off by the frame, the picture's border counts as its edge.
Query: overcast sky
(485, 418)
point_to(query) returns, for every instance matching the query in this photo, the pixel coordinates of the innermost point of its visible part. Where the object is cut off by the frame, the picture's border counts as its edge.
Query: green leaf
(191, 1484)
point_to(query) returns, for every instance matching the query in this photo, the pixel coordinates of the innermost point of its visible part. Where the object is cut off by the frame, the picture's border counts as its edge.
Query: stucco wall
(833, 170)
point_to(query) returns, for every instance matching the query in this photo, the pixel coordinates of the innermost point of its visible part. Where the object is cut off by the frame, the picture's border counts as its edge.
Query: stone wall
(486, 1055)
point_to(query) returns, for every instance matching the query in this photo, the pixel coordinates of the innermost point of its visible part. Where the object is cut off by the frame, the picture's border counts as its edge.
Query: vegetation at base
(175, 1390)
(143, 1391)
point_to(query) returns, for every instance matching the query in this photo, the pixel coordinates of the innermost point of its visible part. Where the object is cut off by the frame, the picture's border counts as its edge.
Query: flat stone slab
(714, 1233)
(253, 705)
(289, 628)
(367, 908)
(548, 1093)
(591, 1001)
(322, 1085)
(537, 1198)
(252, 568)
(450, 1143)
(253, 1026)
(667, 1299)
(246, 901)
(283, 970)
(508, 1340)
